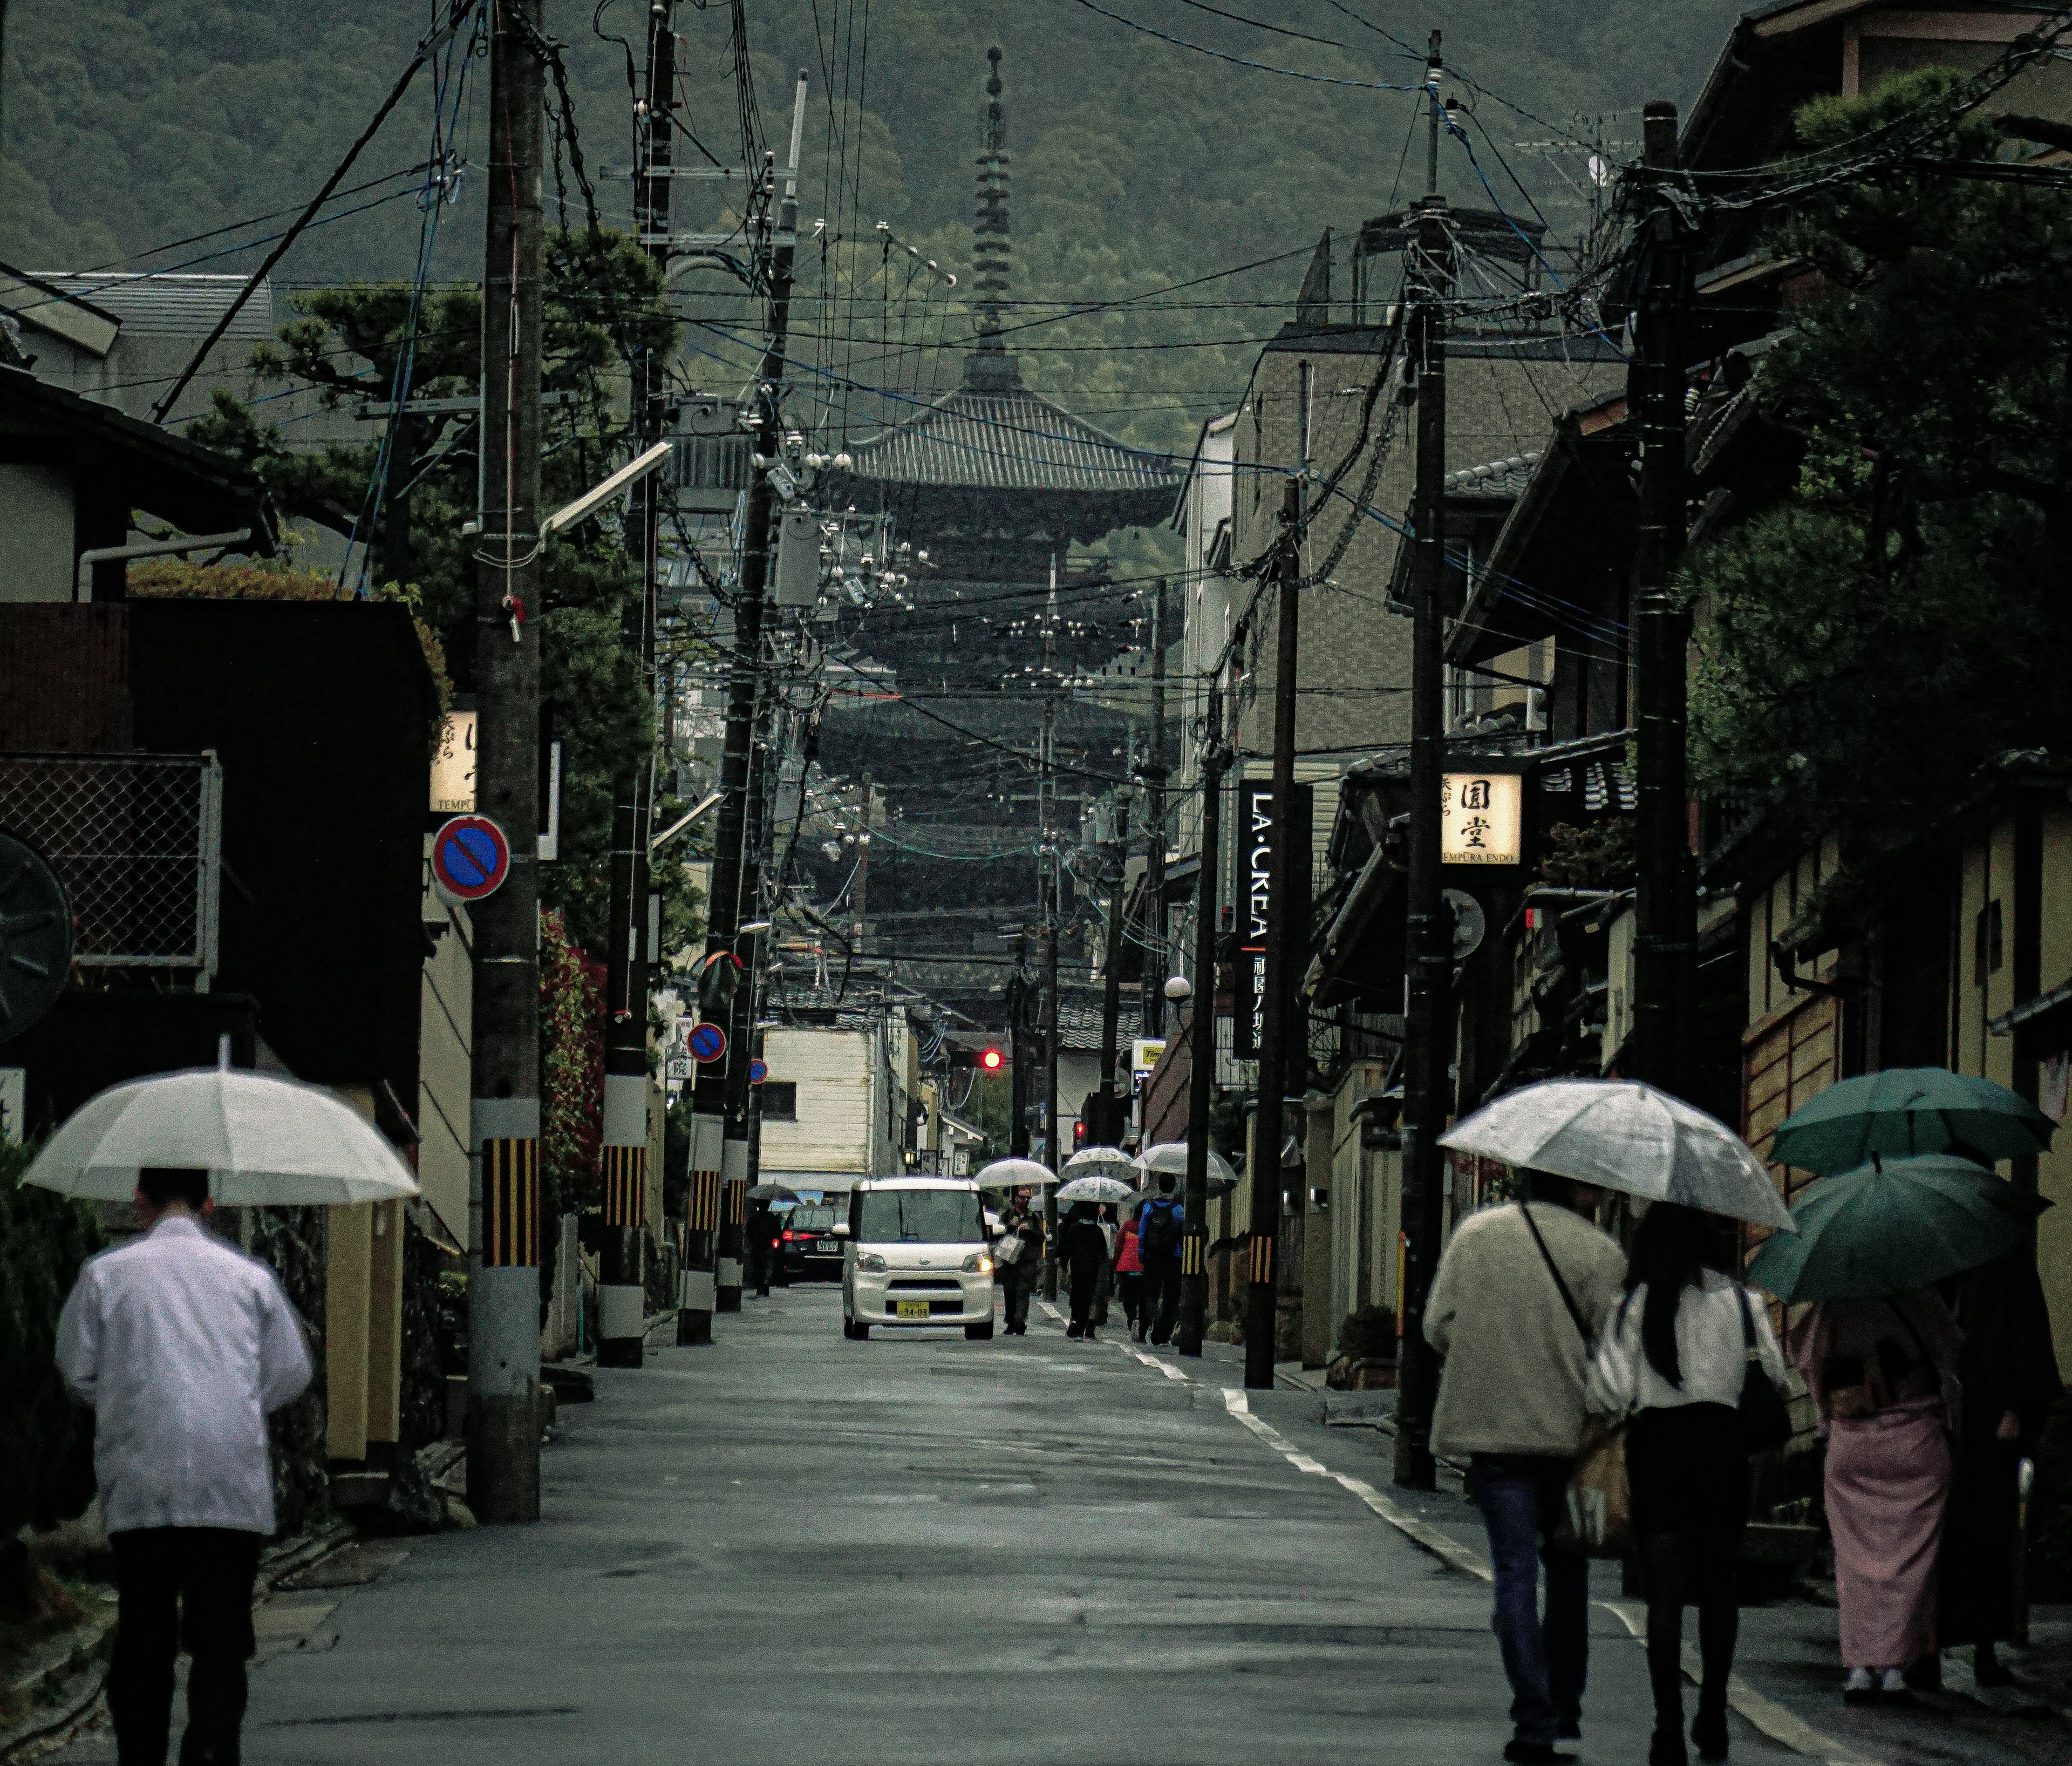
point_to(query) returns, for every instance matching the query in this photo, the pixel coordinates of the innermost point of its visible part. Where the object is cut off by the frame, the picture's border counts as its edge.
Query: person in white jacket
(182, 1344)
(1673, 1357)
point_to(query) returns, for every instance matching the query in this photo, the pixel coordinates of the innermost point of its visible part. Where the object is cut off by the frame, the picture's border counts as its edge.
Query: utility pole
(1053, 1150)
(1158, 962)
(1201, 1073)
(1018, 1048)
(1281, 1033)
(1428, 946)
(719, 1137)
(1109, 1128)
(621, 1296)
(1665, 909)
(504, 1225)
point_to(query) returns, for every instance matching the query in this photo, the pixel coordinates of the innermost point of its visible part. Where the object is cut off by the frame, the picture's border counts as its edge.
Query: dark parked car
(813, 1239)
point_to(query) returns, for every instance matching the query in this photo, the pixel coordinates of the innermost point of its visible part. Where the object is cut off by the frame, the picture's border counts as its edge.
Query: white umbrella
(1623, 1135)
(1099, 1162)
(1008, 1173)
(1096, 1189)
(1172, 1156)
(265, 1141)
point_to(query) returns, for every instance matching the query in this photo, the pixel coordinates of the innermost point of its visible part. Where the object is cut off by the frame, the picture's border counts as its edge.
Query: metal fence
(137, 840)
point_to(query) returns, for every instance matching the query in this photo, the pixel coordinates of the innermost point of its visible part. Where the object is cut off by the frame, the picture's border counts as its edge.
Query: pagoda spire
(989, 368)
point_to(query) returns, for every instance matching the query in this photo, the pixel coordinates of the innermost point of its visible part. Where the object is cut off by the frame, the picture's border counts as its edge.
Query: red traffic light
(992, 1061)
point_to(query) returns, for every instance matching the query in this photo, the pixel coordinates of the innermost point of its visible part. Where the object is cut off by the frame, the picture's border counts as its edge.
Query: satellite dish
(35, 936)
(1470, 923)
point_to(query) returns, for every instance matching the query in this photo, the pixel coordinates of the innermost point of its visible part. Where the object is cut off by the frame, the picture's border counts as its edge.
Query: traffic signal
(991, 1060)
(1078, 1134)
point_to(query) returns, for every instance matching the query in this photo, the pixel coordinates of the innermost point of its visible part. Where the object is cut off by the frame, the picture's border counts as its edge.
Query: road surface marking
(1765, 1715)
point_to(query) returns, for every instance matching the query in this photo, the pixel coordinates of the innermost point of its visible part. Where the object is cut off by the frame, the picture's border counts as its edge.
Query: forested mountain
(1136, 162)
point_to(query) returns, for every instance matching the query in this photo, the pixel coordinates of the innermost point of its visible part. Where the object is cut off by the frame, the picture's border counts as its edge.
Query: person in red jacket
(1129, 1279)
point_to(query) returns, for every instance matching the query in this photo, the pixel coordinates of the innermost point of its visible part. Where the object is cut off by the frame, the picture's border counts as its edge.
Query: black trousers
(1690, 1478)
(1016, 1284)
(1161, 1297)
(180, 1587)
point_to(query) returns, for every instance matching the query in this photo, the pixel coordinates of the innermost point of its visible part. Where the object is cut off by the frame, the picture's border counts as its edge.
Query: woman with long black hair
(1672, 1358)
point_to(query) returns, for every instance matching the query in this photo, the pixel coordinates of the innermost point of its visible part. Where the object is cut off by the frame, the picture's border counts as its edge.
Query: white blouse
(1710, 1352)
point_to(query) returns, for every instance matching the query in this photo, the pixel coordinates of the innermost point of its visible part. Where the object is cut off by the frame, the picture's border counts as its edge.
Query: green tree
(1866, 645)
(46, 1440)
(603, 306)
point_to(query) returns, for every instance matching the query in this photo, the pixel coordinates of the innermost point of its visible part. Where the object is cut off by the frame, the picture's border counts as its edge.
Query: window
(1986, 948)
(919, 1216)
(777, 1099)
(808, 1219)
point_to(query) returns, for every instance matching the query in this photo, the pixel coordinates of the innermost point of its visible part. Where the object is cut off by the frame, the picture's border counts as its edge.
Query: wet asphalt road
(790, 1548)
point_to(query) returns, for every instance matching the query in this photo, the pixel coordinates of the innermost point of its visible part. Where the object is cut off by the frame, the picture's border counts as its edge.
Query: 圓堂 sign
(1481, 820)
(706, 1042)
(470, 858)
(1254, 856)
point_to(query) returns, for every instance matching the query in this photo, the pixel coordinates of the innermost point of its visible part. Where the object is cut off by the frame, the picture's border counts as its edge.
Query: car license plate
(828, 1248)
(913, 1309)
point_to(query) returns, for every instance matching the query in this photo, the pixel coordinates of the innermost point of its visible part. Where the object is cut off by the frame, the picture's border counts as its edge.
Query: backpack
(1160, 1235)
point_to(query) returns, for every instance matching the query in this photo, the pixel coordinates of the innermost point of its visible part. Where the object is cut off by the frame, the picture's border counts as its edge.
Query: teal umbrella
(1889, 1228)
(1907, 1110)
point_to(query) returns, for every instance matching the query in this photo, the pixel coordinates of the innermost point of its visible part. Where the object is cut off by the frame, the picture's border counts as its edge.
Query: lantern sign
(707, 1042)
(1480, 819)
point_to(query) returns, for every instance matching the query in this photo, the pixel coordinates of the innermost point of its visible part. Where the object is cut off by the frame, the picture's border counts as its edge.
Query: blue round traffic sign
(708, 1043)
(470, 858)
(757, 1072)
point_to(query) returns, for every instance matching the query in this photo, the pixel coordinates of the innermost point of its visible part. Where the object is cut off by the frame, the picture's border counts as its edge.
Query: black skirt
(1689, 1472)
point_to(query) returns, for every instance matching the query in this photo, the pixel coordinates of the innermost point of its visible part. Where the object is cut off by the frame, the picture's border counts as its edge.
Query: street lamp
(1179, 990)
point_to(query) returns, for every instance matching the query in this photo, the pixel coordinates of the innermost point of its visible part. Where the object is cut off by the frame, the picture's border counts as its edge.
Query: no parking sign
(707, 1043)
(470, 858)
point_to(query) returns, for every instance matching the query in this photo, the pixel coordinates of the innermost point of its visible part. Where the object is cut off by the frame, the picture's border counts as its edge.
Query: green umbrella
(1889, 1228)
(1906, 1110)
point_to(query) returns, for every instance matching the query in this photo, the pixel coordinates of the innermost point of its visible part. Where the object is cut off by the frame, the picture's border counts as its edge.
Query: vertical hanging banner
(1256, 812)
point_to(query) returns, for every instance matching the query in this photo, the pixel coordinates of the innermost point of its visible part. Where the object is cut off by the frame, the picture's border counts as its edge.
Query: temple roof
(1011, 441)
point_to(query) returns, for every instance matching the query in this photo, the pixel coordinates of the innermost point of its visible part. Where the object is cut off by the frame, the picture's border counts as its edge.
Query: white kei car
(918, 1254)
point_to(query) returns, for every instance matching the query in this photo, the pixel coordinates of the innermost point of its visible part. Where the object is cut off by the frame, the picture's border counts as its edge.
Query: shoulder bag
(1598, 1520)
(1766, 1417)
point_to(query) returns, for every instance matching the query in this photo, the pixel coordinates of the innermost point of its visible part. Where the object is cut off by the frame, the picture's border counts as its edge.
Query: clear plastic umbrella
(1095, 1189)
(265, 1141)
(1100, 1162)
(1172, 1156)
(1014, 1173)
(1623, 1135)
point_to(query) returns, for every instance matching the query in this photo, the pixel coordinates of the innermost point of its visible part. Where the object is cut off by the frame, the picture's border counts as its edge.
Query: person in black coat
(2010, 1378)
(1083, 1247)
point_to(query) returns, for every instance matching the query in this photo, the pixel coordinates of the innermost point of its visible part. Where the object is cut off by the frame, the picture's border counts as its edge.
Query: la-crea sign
(1481, 819)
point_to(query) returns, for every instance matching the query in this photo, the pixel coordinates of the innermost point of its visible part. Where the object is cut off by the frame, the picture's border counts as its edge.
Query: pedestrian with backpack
(1160, 1223)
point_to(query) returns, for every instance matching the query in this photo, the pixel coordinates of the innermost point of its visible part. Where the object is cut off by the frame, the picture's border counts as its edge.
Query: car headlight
(978, 1263)
(871, 1262)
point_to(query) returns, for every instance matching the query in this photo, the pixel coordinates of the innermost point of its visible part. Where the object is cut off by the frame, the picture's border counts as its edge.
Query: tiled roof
(1010, 441)
(166, 305)
(1080, 1023)
(1506, 478)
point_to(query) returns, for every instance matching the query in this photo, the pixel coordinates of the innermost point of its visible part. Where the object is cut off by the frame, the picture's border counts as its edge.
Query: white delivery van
(918, 1254)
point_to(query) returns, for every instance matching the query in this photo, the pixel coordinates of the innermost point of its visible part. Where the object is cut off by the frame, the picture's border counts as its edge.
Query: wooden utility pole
(1665, 911)
(719, 1125)
(621, 1299)
(504, 1224)
(1428, 946)
(1157, 962)
(1053, 1150)
(1107, 1131)
(1281, 1040)
(1202, 1051)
